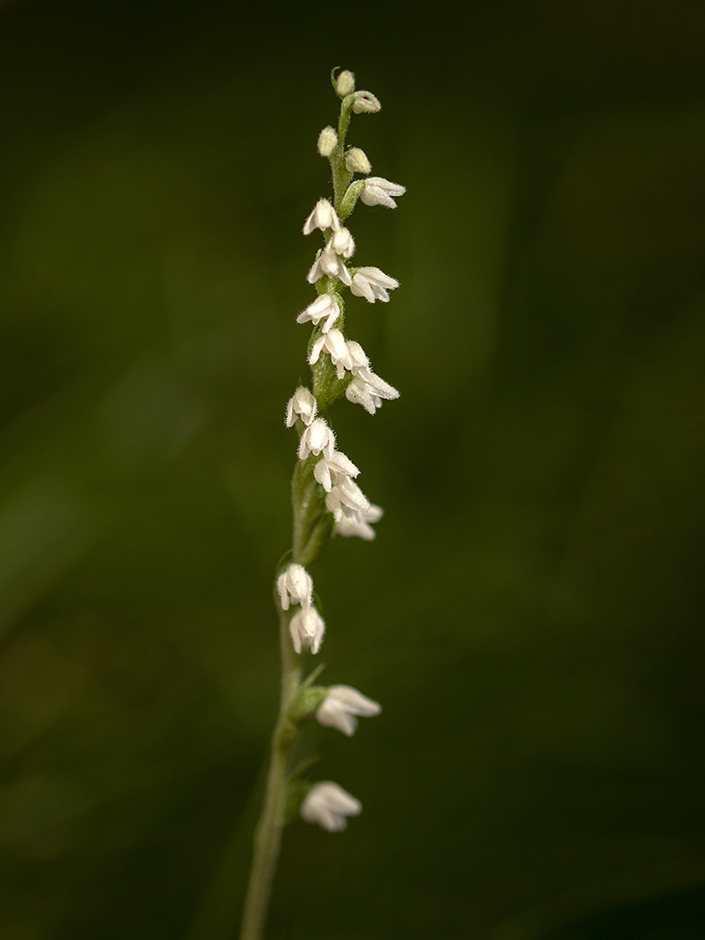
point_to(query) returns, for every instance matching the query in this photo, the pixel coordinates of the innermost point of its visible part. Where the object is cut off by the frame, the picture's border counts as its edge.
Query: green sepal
(349, 200)
(297, 789)
(307, 702)
(313, 524)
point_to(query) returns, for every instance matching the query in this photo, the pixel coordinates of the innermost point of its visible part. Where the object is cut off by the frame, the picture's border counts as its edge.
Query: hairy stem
(269, 829)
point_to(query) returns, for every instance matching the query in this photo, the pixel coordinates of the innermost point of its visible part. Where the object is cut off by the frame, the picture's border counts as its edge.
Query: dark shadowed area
(530, 615)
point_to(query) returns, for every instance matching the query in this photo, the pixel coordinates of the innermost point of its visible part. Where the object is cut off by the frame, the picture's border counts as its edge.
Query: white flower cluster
(326, 803)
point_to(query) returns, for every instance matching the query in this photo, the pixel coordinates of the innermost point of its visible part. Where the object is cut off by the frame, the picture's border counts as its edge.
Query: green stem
(269, 829)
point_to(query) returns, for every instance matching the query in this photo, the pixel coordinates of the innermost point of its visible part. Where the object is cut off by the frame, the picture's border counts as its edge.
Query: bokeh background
(530, 614)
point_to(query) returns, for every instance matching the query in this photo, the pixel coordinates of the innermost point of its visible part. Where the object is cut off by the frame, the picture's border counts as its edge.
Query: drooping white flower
(356, 161)
(332, 342)
(325, 306)
(295, 586)
(341, 706)
(379, 192)
(358, 523)
(327, 472)
(368, 390)
(327, 804)
(323, 217)
(346, 497)
(328, 264)
(327, 141)
(302, 404)
(372, 284)
(307, 628)
(342, 243)
(317, 439)
(366, 103)
(345, 83)
(358, 356)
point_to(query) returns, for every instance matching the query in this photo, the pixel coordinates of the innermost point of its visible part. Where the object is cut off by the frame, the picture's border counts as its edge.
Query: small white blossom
(327, 141)
(379, 192)
(323, 217)
(328, 264)
(317, 439)
(341, 706)
(357, 356)
(356, 161)
(372, 284)
(307, 628)
(332, 342)
(345, 83)
(295, 586)
(358, 523)
(366, 102)
(325, 307)
(327, 472)
(368, 390)
(342, 243)
(327, 804)
(301, 404)
(345, 498)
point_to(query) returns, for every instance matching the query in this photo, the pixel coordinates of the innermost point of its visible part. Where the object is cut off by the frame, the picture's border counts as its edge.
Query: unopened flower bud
(366, 102)
(327, 141)
(356, 161)
(345, 84)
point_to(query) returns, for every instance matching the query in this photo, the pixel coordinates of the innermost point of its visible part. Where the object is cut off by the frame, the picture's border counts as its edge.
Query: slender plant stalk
(325, 499)
(269, 829)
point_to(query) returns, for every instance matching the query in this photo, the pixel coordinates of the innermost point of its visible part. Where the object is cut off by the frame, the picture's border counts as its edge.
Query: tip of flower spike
(345, 84)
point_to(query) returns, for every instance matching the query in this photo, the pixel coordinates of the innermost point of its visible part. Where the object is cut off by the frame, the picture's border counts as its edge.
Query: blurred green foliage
(530, 615)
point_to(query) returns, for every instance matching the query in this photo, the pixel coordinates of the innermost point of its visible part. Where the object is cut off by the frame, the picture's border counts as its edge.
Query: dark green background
(530, 614)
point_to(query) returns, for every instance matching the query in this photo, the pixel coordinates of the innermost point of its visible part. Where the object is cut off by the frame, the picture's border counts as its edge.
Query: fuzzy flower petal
(372, 284)
(325, 307)
(328, 472)
(327, 804)
(295, 586)
(332, 342)
(368, 390)
(323, 217)
(379, 192)
(302, 404)
(341, 706)
(307, 628)
(328, 264)
(317, 438)
(358, 523)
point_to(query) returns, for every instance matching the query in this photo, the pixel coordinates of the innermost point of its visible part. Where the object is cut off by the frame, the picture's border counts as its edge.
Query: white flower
(307, 628)
(332, 342)
(325, 306)
(322, 217)
(372, 284)
(328, 263)
(317, 438)
(358, 523)
(340, 707)
(342, 243)
(345, 498)
(379, 192)
(295, 586)
(357, 356)
(356, 161)
(301, 404)
(328, 804)
(327, 141)
(366, 102)
(368, 390)
(345, 83)
(327, 472)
